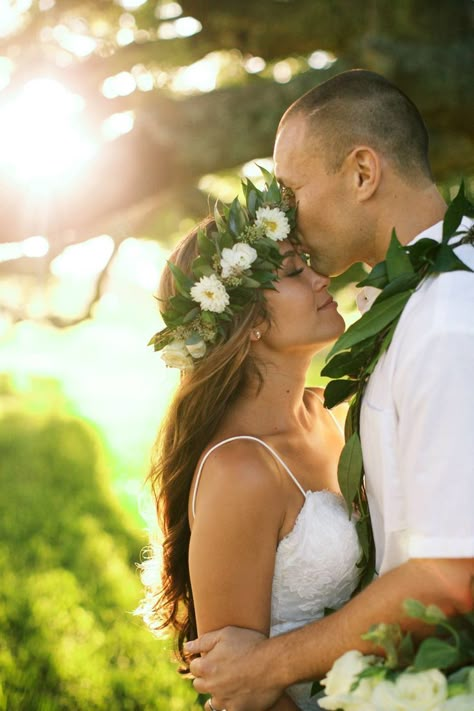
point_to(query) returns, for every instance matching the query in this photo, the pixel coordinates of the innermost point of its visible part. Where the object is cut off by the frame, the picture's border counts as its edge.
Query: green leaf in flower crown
(273, 192)
(224, 241)
(349, 470)
(397, 260)
(237, 218)
(378, 277)
(268, 177)
(201, 267)
(253, 203)
(435, 653)
(373, 321)
(447, 261)
(183, 282)
(206, 247)
(454, 214)
(191, 315)
(221, 226)
(336, 391)
(181, 304)
(250, 283)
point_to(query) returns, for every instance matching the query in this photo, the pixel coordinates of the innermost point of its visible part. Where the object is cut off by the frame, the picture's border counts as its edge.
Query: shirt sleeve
(434, 399)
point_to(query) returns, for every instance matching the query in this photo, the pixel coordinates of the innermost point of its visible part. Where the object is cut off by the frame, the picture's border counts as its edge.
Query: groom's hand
(233, 669)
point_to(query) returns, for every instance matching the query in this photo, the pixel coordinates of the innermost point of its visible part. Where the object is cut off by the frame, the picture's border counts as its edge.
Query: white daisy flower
(210, 294)
(274, 222)
(234, 261)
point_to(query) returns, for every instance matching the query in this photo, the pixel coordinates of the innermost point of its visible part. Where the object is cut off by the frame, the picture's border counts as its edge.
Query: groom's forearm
(310, 651)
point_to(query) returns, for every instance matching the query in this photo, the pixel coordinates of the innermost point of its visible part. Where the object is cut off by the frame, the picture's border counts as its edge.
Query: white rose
(340, 678)
(346, 702)
(421, 691)
(274, 222)
(197, 350)
(210, 294)
(236, 260)
(462, 702)
(176, 355)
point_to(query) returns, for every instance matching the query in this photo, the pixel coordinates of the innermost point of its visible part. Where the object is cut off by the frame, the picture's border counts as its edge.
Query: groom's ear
(365, 169)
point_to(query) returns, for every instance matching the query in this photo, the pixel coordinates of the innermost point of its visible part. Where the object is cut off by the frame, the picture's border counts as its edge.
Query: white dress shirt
(417, 424)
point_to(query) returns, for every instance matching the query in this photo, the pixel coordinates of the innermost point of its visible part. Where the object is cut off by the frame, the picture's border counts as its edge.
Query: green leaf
(378, 277)
(423, 252)
(349, 471)
(454, 214)
(183, 282)
(266, 174)
(218, 219)
(406, 650)
(336, 391)
(435, 653)
(347, 363)
(250, 283)
(191, 315)
(206, 247)
(201, 267)
(397, 260)
(379, 316)
(447, 261)
(237, 218)
(273, 192)
(362, 528)
(404, 282)
(180, 305)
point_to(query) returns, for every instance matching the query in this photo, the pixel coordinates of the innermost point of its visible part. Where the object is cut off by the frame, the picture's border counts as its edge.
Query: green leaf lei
(356, 353)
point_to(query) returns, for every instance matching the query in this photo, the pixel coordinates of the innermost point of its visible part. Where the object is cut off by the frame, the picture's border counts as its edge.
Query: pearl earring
(257, 335)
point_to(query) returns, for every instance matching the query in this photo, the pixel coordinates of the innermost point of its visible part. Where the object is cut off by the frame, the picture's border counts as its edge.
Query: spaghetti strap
(232, 439)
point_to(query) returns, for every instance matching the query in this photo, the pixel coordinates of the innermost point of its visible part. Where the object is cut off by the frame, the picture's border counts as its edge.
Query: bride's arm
(239, 512)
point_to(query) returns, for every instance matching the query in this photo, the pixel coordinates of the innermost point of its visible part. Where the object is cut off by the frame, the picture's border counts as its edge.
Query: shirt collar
(436, 231)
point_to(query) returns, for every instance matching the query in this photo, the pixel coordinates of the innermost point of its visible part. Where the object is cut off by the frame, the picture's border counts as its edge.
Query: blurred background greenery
(118, 120)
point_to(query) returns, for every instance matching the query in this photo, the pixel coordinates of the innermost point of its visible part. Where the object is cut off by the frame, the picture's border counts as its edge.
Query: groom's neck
(409, 211)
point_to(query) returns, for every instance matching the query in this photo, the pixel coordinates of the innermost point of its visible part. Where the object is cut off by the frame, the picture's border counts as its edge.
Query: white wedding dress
(315, 565)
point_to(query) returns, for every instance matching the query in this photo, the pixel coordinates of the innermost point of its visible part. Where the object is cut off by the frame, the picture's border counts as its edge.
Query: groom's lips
(329, 302)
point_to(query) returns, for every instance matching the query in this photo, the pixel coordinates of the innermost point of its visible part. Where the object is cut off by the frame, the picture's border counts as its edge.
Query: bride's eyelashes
(295, 272)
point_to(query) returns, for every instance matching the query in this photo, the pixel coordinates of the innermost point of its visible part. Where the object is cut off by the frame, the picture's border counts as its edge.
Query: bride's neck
(275, 406)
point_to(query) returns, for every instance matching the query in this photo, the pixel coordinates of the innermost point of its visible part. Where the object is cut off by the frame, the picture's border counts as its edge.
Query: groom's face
(323, 197)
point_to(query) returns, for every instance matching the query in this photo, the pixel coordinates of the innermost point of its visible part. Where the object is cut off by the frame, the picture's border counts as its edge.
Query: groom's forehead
(293, 150)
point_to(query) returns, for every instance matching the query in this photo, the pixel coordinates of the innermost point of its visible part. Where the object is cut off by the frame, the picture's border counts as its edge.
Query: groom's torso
(412, 423)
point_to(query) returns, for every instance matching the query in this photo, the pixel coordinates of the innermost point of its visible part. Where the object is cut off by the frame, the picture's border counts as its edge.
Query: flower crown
(233, 265)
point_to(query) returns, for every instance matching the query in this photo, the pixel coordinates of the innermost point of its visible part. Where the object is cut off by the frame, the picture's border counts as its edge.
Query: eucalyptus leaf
(337, 391)
(397, 260)
(349, 471)
(379, 316)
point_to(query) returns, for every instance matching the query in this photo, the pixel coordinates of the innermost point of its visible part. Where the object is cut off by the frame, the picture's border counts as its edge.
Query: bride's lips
(327, 304)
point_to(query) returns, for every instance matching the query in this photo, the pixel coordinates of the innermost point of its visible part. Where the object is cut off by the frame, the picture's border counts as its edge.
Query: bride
(256, 533)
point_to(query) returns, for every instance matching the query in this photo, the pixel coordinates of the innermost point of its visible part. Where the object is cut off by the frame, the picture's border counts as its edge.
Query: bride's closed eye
(295, 272)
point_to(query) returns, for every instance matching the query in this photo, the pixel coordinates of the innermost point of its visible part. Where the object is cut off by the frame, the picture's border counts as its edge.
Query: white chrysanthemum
(274, 222)
(234, 261)
(210, 294)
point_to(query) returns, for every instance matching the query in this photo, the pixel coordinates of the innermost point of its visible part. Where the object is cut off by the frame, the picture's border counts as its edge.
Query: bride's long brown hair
(198, 407)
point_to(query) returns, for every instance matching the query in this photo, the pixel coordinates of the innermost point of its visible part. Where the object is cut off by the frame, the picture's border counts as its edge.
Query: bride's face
(303, 313)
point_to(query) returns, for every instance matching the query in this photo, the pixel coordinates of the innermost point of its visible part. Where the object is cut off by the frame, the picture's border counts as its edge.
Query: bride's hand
(233, 669)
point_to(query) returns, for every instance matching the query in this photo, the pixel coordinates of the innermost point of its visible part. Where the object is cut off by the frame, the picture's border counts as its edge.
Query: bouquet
(436, 675)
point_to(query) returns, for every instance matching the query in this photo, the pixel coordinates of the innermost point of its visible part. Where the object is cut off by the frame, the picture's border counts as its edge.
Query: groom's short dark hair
(361, 107)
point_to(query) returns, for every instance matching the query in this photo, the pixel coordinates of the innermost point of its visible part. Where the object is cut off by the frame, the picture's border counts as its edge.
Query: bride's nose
(320, 281)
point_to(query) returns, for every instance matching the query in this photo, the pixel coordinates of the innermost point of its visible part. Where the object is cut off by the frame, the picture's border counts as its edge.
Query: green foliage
(67, 554)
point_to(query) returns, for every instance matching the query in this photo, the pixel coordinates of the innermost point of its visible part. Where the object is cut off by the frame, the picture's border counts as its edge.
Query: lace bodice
(315, 564)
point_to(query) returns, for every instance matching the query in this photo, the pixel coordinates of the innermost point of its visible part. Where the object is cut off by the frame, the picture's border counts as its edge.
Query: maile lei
(356, 353)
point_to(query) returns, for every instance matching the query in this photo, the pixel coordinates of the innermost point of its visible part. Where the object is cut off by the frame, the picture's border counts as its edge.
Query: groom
(354, 151)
